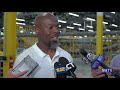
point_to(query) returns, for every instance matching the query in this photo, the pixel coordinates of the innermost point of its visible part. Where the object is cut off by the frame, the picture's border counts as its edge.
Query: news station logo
(60, 69)
(106, 70)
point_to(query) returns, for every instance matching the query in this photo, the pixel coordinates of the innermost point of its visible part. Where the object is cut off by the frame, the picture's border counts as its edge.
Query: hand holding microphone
(97, 61)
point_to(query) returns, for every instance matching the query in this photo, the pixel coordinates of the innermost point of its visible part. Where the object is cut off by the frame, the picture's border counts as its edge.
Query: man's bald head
(41, 17)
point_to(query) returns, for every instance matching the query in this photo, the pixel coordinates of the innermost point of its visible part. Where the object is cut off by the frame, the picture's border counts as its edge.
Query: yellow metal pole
(9, 47)
(73, 46)
(99, 34)
(110, 49)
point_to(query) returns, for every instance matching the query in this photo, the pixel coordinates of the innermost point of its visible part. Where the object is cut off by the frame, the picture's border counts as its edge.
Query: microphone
(60, 70)
(97, 61)
(70, 67)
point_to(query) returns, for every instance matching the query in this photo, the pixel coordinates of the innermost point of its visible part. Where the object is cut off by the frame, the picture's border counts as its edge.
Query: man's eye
(51, 27)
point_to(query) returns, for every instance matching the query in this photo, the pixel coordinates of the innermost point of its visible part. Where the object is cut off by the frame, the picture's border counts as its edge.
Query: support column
(99, 33)
(9, 48)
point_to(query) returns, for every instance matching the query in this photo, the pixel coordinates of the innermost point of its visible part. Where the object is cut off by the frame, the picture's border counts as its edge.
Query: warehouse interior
(77, 30)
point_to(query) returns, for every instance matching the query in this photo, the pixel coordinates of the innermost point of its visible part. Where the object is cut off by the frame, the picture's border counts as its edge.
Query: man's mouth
(54, 38)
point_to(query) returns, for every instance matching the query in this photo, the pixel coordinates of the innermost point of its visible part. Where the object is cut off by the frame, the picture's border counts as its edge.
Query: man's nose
(56, 29)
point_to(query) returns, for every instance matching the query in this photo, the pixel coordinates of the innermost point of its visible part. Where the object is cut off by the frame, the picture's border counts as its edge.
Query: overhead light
(76, 24)
(32, 22)
(89, 26)
(20, 23)
(2, 33)
(34, 32)
(81, 28)
(31, 32)
(105, 22)
(90, 30)
(108, 30)
(73, 14)
(80, 36)
(90, 19)
(113, 36)
(70, 27)
(62, 21)
(21, 31)
(21, 27)
(114, 25)
(59, 25)
(20, 19)
(113, 12)
(85, 36)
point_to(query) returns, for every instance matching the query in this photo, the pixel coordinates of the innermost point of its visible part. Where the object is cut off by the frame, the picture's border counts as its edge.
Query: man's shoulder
(61, 49)
(63, 52)
(26, 51)
(116, 56)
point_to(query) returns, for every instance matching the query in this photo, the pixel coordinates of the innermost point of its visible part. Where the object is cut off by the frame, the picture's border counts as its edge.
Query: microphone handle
(115, 74)
(73, 74)
(104, 66)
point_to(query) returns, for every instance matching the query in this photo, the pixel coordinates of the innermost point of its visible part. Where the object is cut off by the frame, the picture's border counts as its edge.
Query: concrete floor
(82, 70)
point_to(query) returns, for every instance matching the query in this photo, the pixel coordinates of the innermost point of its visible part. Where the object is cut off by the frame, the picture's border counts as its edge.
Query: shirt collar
(44, 54)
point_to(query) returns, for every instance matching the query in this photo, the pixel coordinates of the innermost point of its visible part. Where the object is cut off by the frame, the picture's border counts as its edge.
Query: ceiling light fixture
(62, 21)
(81, 29)
(20, 23)
(73, 14)
(76, 24)
(20, 19)
(90, 19)
(113, 12)
(114, 25)
(90, 30)
(108, 30)
(70, 27)
(105, 22)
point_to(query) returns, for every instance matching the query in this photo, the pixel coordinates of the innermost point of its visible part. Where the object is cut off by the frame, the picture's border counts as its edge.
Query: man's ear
(37, 31)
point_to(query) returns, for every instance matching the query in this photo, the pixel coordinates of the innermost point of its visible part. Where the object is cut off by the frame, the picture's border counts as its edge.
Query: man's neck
(47, 50)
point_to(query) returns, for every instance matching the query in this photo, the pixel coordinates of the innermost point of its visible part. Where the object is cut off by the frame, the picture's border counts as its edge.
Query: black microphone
(97, 61)
(60, 70)
(70, 67)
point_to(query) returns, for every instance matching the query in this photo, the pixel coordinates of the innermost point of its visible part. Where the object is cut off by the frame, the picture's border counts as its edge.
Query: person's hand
(97, 73)
(18, 75)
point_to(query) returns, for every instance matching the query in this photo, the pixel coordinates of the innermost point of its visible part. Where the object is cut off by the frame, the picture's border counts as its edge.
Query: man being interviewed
(46, 51)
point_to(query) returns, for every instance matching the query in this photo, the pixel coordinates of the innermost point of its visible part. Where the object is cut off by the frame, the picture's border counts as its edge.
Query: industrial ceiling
(78, 23)
(70, 24)
(111, 20)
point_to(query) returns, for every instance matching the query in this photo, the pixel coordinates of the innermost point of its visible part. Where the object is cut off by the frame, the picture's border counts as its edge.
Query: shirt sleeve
(115, 61)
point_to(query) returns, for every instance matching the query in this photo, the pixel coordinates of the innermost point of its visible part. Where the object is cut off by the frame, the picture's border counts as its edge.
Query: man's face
(49, 32)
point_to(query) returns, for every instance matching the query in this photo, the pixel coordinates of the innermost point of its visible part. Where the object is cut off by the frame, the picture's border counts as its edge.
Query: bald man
(46, 51)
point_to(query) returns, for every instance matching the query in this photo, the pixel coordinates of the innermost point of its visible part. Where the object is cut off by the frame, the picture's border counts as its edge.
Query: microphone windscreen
(60, 70)
(63, 61)
(83, 52)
